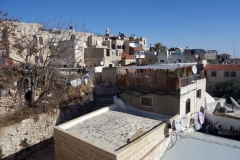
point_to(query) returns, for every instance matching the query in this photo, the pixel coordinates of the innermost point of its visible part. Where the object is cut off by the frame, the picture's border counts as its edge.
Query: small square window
(146, 101)
(214, 74)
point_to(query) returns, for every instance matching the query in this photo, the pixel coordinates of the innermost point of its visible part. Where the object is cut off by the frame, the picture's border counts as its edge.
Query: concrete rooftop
(111, 129)
(200, 146)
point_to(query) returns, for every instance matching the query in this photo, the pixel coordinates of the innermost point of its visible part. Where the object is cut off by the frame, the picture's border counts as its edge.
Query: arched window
(226, 74)
(188, 106)
(233, 74)
(35, 41)
(40, 40)
(214, 73)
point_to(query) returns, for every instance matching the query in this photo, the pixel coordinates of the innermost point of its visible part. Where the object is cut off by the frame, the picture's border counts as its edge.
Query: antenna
(234, 49)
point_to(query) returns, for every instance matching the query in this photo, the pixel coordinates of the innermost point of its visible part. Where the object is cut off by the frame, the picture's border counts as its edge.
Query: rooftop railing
(189, 80)
(155, 80)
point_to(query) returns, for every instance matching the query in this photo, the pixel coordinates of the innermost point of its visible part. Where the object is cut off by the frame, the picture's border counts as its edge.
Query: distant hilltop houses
(84, 49)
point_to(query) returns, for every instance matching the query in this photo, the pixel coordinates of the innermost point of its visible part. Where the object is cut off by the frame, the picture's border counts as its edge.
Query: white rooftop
(171, 66)
(111, 129)
(200, 146)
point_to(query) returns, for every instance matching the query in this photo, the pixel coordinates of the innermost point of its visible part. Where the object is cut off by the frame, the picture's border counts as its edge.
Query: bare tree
(36, 47)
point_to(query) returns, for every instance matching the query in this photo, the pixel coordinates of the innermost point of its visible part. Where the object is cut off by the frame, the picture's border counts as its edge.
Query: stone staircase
(103, 95)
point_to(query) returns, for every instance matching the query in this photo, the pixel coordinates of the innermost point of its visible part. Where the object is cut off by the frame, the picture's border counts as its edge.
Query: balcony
(190, 80)
(155, 79)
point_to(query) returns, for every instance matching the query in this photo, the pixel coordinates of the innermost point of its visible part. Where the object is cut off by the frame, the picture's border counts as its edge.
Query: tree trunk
(33, 89)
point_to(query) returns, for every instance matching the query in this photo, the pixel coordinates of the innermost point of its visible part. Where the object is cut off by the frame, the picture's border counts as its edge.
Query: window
(34, 39)
(198, 93)
(214, 73)
(40, 40)
(73, 37)
(4, 35)
(146, 101)
(233, 74)
(108, 52)
(226, 74)
(162, 61)
(36, 59)
(123, 47)
(188, 106)
(113, 46)
(116, 52)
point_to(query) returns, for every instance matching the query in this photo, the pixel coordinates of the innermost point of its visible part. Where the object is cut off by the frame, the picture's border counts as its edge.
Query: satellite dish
(235, 103)
(102, 63)
(184, 121)
(177, 125)
(194, 69)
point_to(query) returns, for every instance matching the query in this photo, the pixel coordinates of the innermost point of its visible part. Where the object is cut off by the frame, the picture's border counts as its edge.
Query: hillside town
(73, 94)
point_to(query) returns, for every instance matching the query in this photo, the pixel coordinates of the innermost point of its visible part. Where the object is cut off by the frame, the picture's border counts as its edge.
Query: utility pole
(234, 49)
(177, 41)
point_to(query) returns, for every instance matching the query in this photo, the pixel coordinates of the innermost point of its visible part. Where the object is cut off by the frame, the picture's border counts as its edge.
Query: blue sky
(205, 24)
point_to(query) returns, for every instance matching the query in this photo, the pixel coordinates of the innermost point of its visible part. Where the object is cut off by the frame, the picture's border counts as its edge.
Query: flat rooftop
(201, 146)
(110, 130)
(160, 66)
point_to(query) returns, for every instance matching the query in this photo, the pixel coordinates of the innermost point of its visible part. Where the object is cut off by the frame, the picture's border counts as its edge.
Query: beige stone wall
(96, 55)
(163, 103)
(128, 61)
(93, 56)
(34, 130)
(109, 75)
(28, 30)
(151, 59)
(117, 42)
(113, 58)
(189, 92)
(93, 40)
(72, 147)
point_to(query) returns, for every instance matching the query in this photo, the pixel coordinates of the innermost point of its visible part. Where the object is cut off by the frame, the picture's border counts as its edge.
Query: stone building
(98, 45)
(102, 55)
(163, 89)
(220, 72)
(223, 57)
(40, 42)
(70, 53)
(127, 59)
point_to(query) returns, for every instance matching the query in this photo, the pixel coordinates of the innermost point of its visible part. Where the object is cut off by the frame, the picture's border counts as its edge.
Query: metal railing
(190, 80)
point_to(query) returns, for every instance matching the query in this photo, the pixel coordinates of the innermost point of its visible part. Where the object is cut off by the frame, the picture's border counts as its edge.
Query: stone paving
(111, 130)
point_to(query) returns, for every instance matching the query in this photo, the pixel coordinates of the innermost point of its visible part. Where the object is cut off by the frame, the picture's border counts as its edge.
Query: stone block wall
(36, 130)
(32, 130)
(72, 147)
